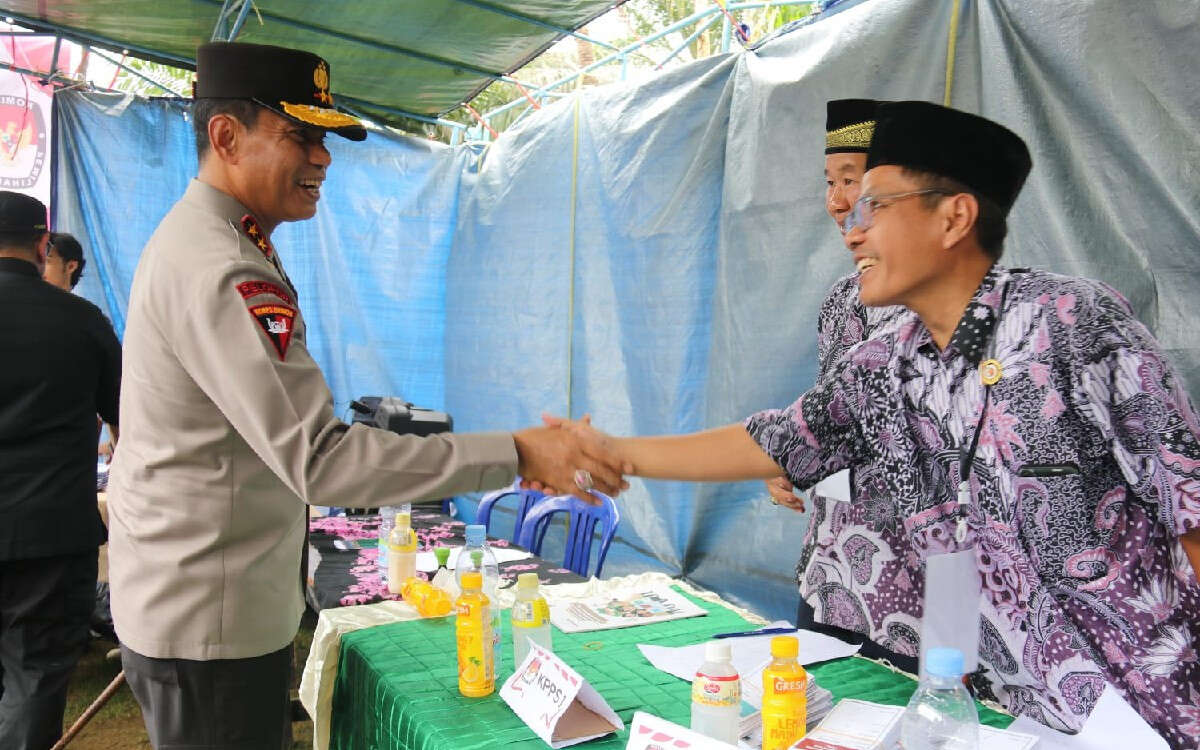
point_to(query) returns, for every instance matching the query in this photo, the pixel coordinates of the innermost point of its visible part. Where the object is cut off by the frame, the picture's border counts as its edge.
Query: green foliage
(639, 19)
(177, 80)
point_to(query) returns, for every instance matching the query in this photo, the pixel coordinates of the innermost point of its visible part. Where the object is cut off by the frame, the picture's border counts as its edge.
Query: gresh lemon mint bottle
(785, 695)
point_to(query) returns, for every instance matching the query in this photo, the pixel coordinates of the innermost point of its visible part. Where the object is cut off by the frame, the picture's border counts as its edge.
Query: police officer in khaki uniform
(228, 427)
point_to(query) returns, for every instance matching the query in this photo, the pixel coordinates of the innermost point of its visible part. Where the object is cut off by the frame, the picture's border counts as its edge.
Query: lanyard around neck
(966, 457)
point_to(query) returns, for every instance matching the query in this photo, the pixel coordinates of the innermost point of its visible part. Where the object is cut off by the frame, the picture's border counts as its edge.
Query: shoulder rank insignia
(277, 322)
(990, 371)
(252, 230)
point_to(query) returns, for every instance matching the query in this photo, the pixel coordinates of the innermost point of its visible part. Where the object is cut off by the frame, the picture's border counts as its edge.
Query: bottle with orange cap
(427, 599)
(473, 629)
(785, 695)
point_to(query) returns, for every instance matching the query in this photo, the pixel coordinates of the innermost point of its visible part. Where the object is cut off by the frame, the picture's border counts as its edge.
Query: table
(397, 684)
(342, 568)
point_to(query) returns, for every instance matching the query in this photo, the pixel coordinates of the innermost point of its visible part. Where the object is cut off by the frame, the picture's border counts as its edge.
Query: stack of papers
(855, 725)
(819, 704)
(656, 604)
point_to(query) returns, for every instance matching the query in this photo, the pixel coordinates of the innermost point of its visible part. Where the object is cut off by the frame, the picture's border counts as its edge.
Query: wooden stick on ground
(91, 711)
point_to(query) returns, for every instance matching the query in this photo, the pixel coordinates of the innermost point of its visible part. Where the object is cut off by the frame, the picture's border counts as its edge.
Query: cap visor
(325, 118)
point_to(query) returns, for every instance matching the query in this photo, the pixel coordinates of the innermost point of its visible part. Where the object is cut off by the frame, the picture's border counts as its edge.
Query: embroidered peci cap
(983, 155)
(21, 213)
(849, 125)
(289, 82)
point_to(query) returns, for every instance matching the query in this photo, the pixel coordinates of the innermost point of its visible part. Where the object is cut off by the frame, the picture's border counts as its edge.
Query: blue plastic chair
(580, 529)
(526, 500)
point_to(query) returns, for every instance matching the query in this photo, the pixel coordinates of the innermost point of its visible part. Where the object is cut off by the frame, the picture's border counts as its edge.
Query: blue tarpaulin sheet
(655, 253)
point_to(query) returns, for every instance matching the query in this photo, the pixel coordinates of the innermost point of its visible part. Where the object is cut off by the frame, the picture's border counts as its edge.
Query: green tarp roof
(386, 56)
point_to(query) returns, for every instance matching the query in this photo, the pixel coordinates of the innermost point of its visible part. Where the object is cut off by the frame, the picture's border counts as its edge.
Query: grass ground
(118, 726)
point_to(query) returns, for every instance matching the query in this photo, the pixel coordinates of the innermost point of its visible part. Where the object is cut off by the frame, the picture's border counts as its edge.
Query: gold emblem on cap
(319, 116)
(321, 81)
(990, 371)
(857, 135)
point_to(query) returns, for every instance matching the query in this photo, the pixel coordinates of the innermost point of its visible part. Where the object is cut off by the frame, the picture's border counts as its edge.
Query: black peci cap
(21, 213)
(849, 125)
(289, 82)
(983, 155)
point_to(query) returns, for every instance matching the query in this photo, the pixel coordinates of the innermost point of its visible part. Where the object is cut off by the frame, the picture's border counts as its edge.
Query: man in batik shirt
(1078, 446)
(1085, 482)
(859, 579)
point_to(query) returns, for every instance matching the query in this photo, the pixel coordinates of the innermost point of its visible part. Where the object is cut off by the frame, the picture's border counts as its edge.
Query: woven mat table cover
(342, 558)
(397, 684)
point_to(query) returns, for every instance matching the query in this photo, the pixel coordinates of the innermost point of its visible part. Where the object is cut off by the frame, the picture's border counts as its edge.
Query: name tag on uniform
(835, 487)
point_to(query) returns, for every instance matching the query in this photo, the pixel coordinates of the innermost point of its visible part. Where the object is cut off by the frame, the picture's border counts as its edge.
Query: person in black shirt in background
(64, 261)
(60, 366)
(63, 268)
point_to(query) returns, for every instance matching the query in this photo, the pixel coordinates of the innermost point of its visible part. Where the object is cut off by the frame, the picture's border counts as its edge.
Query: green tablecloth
(397, 685)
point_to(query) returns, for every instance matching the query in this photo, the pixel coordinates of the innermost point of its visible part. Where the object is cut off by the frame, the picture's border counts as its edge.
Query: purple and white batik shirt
(1084, 579)
(857, 570)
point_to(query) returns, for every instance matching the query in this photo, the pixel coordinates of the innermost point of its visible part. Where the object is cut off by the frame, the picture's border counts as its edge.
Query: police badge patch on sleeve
(277, 321)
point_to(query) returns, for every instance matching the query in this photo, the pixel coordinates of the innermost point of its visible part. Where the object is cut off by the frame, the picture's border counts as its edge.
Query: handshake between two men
(570, 457)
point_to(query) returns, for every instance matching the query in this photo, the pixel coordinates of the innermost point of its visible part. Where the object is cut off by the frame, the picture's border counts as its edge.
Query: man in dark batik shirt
(1078, 447)
(859, 578)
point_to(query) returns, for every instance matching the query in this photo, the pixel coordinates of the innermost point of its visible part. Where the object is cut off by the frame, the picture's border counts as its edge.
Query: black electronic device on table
(401, 417)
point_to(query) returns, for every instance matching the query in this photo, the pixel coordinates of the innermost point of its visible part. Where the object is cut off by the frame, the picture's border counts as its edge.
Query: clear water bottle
(387, 522)
(530, 618)
(477, 556)
(941, 715)
(717, 695)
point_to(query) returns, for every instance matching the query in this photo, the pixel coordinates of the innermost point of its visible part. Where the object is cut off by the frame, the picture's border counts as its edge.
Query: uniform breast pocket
(1042, 471)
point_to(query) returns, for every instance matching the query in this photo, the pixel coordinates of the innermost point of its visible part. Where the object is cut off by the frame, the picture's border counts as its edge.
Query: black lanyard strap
(967, 458)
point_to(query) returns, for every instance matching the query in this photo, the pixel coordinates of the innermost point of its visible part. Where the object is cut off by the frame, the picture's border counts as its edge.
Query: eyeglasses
(862, 214)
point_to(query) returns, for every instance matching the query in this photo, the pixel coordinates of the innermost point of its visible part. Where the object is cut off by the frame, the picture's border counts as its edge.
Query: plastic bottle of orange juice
(785, 695)
(473, 628)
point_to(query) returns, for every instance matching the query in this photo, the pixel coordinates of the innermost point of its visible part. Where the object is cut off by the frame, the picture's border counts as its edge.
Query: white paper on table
(556, 702)
(427, 563)
(856, 725)
(835, 487)
(749, 652)
(646, 607)
(648, 732)
(1113, 725)
(991, 738)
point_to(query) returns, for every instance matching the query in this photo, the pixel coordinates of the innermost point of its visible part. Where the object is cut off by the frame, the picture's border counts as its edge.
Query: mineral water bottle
(717, 695)
(402, 553)
(387, 521)
(477, 556)
(473, 633)
(941, 714)
(785, 695)
(530, 618)
(443, 578)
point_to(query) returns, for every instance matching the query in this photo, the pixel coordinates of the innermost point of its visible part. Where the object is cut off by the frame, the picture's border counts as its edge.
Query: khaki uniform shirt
(227, 431)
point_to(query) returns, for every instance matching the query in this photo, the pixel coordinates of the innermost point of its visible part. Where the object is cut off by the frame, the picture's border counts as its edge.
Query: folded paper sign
(556, 702)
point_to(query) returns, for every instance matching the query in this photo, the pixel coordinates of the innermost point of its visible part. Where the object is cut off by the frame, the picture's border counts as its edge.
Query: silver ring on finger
(583, 480)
